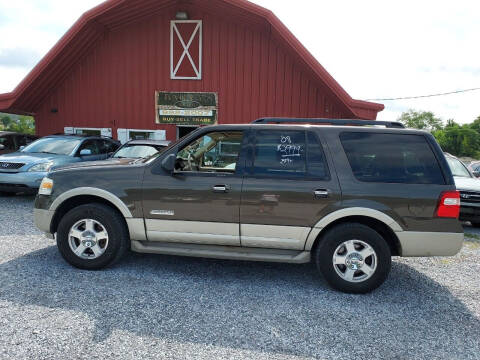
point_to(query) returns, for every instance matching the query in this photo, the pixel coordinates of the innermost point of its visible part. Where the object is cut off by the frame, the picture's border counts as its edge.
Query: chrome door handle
(321, 193)
(221, 188)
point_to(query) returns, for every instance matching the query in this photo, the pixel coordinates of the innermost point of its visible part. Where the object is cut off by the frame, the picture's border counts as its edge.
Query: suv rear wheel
(92, 237)
(353, 258)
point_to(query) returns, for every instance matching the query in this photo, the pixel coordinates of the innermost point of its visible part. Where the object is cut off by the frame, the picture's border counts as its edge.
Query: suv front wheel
(92, 236)
(353, 258)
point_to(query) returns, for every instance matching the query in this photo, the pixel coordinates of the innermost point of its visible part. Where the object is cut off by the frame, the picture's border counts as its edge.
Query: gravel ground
(180, 308)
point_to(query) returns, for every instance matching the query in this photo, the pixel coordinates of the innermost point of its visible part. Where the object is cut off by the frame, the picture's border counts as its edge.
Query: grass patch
(471, 237)
(473, 245)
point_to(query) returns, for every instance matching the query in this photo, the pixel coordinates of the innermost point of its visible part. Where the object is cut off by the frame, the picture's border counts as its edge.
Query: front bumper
(43, 220)
(21, 181)
(470, 211)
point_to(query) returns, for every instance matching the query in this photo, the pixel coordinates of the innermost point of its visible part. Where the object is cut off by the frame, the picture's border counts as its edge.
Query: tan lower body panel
(136, 228)
(222, 252)
(273, 236)
(193, 232)
(420, 244)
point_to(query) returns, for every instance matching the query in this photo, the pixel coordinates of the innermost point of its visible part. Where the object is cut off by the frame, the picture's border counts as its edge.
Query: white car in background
(469, 187)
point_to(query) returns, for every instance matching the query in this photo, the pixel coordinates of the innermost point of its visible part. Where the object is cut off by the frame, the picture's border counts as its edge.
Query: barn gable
(109, 65)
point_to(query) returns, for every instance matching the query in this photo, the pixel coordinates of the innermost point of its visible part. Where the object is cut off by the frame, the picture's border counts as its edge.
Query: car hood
(33, 158)
(97, 164)
(468, 184)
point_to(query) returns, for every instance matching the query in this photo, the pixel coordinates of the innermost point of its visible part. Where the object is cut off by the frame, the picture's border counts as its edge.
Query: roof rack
(339, 122)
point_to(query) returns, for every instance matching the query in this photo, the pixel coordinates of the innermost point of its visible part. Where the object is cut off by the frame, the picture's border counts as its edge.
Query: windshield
(57, 146)
(457, 167)
(136, 151)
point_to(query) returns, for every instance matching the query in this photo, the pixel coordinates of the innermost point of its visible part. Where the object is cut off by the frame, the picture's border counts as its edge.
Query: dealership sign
(186, 108)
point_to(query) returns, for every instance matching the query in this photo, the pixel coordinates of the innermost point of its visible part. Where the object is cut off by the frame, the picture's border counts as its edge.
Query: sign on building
(186, 108)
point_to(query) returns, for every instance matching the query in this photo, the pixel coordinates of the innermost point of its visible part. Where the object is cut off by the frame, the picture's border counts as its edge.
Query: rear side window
(316, 162)
(289, 154)
(391, 158)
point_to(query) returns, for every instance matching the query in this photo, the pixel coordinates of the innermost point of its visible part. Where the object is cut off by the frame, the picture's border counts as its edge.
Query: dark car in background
(474, 168)
(139, 149)
(11, 141)
(24, 170)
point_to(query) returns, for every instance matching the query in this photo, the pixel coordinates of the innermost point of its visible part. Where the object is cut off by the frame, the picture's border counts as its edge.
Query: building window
(125, 135)
(88, 131)
(186, 49)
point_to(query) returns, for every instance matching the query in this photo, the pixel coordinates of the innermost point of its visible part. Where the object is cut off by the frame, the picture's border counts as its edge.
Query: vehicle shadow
(273, 308)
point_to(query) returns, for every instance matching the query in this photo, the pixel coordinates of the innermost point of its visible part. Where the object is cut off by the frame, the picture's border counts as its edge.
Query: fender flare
(119, 204)
(353, 211)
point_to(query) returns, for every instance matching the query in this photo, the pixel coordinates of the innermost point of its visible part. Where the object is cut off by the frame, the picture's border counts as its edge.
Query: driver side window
(214, 152)
(91, 145)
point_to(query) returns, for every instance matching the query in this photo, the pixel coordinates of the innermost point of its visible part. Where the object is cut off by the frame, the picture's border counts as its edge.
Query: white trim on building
(175, 33)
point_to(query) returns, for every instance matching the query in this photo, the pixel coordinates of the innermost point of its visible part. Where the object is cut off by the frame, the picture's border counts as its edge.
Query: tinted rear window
(391, 158)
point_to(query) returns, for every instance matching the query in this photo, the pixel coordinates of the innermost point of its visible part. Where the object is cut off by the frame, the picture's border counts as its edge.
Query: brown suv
(343, 195)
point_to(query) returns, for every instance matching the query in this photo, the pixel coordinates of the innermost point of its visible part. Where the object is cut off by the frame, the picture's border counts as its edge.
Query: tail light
(449, 205)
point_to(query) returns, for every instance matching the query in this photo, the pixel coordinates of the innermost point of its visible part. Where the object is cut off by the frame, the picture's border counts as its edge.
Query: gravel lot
(178, 308)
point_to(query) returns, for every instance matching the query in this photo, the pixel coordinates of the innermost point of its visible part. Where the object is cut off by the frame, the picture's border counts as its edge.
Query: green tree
(423, 120)
(451, 124)
(23, 125)
(459, 141)
(476, 125)
(6, 121)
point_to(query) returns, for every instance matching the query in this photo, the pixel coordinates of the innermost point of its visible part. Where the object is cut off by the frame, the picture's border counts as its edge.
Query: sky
(375, 49)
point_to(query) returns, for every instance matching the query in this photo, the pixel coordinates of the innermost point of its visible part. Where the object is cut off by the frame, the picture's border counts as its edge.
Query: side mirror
(168, 164)
(86, 152)
(476, 174)
(2, 147)
(21, 148)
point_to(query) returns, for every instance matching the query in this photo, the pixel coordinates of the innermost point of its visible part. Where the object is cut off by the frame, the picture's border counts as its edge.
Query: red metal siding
(254, 74)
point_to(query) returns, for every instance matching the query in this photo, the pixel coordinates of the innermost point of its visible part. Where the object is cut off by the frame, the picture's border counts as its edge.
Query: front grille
(10, 165)
(470, 196)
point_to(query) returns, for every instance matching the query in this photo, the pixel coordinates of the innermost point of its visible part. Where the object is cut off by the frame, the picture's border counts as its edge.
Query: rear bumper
(21, 181)
(420, 244)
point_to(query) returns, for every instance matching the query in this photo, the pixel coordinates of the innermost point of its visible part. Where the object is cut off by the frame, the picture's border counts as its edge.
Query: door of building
(185, 130)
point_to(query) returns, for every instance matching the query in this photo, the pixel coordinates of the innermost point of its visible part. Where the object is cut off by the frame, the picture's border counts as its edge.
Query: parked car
(474, 168)
(23, 171)
(11, 141)
(139, 149)
(347, 197)
(469, 187)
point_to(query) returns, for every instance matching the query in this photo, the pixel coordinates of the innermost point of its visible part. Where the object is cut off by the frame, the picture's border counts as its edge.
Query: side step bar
(222, 252)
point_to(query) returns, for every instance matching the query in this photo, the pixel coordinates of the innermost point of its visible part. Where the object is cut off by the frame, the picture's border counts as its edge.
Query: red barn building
(158, 68)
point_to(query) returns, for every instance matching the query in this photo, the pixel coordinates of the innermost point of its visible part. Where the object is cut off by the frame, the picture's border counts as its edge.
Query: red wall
(252, 72)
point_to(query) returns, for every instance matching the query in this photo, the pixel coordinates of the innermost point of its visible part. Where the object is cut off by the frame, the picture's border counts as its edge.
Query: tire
(98, 226)
(364, 272)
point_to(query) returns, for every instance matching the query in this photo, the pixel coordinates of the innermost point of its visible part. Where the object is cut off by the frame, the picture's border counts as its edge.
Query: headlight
(44, 167)
(46, 187)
